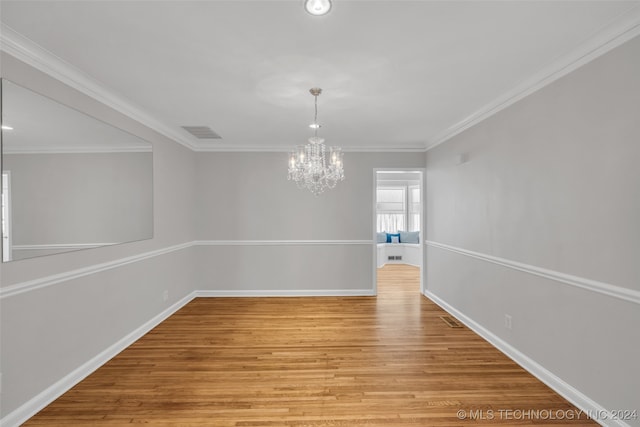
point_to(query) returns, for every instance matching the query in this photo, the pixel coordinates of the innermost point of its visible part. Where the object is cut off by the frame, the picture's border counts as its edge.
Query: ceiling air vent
(202, 132)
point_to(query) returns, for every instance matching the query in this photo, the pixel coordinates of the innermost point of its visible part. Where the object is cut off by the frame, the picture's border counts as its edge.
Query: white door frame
(374, 251)
(6, 216)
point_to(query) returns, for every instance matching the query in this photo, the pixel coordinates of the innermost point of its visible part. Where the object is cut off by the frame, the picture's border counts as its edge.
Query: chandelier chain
(315, 117)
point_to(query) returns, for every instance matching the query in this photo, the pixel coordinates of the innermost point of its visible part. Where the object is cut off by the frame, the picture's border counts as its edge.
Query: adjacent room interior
(398, 225)
(314, 212)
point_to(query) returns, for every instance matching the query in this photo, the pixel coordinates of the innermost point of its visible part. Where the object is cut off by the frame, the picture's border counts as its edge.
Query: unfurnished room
(320, 213)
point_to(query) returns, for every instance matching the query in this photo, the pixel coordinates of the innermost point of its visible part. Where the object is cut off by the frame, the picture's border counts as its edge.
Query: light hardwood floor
(326, 361)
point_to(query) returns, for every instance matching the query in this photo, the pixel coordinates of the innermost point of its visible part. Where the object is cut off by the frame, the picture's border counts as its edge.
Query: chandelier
(309, 166)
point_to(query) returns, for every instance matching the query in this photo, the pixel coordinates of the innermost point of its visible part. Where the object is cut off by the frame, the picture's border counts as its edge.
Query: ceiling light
(308, 165)
(317, 7)
(5, 127)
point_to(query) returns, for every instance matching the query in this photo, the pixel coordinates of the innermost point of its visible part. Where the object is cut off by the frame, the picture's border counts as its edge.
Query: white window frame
(411, 211)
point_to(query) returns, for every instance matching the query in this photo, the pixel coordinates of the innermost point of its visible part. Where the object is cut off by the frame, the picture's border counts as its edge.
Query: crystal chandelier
(308, 164)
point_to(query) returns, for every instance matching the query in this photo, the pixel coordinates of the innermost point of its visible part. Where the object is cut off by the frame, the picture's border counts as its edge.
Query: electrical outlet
(165, 295)
(507, 321)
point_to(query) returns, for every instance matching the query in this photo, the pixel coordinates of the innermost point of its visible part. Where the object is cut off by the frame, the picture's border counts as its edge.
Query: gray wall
(246, 196)
(48, 332)
(551, 183)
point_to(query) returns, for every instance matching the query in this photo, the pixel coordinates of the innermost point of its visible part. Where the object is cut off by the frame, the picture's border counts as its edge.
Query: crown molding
(280, 149)
(626, 27)
(621, 30)
(76, 150)
(27, 51)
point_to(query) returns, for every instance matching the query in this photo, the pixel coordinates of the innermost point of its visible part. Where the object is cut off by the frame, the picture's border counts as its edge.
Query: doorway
(398, 224)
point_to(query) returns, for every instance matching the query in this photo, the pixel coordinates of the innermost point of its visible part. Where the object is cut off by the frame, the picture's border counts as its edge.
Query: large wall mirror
(69, 181)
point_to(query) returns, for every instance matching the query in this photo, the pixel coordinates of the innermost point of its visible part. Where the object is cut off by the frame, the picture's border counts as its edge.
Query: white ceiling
(395, 74)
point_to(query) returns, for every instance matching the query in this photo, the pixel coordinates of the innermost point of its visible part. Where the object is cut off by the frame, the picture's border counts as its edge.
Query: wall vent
(451, 322)
(202, 132)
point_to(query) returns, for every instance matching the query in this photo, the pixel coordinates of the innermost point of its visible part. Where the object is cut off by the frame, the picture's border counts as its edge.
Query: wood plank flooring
(325, 361)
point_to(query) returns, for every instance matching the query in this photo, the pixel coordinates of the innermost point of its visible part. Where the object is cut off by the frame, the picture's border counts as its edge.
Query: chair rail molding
(53, 279)
(619, 292)
(30, 285)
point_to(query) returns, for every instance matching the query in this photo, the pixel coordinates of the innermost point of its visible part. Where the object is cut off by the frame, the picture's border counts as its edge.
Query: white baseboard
(413, 265)
(400, 263)
(51, 393)
(33, 406)
(573, 395)
(287, 293)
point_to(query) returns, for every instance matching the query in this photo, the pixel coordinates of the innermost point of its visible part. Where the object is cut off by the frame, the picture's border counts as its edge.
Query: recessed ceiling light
(5, 127)
(317, 7)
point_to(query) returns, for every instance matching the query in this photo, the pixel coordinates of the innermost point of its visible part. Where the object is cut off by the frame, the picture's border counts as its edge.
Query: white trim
(592, 285)
(405, 258)
(567, 391)
(51, 393)
(624, 29)
(41, 59)
(75, 150)
(374, 213)
(621, 30)
(580, 282)
(57, 246)
(249, 293)
(31, 407)
(5, 214)
(287, 149)
(42, 282)
(280, 242)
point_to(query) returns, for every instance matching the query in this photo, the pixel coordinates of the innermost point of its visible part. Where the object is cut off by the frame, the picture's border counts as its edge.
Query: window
(398, 208)
(391, 209)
